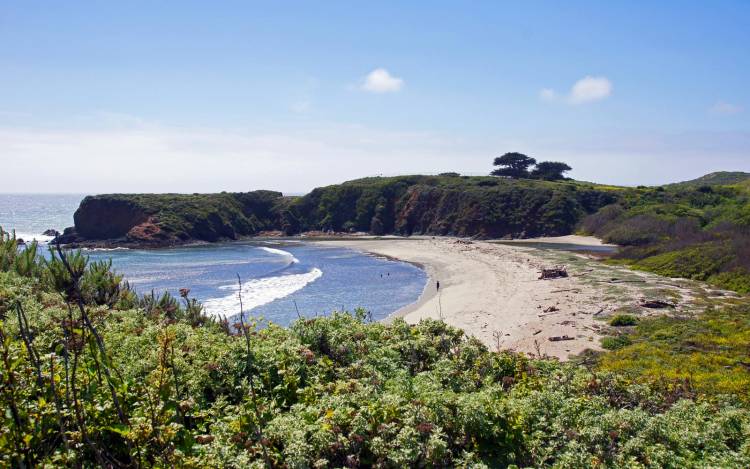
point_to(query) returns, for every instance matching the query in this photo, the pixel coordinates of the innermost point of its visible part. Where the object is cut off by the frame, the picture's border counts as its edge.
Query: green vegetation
(550, 171)
(173, 218)
(700, 233)
(513, 165)
(516, 166)
(92, 375)
(615, 342)
(447, 205)
(440, 205)
(721, 178)
(620, 320)
(710, 351)
(698, 230)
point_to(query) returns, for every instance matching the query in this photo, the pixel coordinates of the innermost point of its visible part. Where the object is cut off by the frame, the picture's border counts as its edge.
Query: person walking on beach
(437, 285)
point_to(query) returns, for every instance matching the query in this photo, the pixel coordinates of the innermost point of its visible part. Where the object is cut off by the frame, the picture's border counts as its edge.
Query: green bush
(620, 320)
(151, 382)
(690, 231)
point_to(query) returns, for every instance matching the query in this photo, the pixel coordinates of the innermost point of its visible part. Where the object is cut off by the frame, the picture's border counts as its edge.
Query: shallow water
(274, 276)
(319, 279)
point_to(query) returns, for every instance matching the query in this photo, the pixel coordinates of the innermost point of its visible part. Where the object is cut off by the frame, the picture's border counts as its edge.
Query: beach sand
(493, 292)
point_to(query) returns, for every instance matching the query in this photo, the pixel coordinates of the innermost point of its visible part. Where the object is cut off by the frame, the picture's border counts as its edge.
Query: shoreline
(492, 292)
(315, 237)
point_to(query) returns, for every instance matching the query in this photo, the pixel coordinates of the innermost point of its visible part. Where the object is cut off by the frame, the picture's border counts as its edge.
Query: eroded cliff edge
(485, 207)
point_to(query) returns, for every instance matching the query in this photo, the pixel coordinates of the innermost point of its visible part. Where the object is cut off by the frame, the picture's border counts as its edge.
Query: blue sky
(206, 96)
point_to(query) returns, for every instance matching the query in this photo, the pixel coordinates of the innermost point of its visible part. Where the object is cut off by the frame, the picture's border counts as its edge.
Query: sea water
(276, 279)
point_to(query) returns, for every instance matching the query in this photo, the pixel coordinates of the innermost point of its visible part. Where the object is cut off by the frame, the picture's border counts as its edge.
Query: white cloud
(725, 108)
(381, 81)
(590, 89)
(585, 90)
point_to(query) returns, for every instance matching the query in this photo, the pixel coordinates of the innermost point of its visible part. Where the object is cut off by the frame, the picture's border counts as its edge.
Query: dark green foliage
(162, 219)
(24, 262)
(338, 391)
(513, 165)
(442, 205)
(465, 206)
(620, 320)
(550, 170)
(698, 232)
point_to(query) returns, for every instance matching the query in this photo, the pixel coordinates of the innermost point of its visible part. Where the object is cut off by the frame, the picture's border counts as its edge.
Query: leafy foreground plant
(167, 390)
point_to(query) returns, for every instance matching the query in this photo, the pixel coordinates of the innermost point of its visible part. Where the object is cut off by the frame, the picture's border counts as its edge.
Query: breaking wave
(258, 292)
(39, 238)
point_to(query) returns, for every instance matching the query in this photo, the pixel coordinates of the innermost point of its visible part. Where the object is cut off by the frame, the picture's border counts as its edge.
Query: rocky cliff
(170, 219)
(485, 207)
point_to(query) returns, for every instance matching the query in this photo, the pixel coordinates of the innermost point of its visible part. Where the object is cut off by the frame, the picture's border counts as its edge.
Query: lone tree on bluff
(550, 170)
(514, 165)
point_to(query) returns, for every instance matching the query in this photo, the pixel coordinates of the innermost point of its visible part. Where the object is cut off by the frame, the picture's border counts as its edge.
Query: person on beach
(437, 285)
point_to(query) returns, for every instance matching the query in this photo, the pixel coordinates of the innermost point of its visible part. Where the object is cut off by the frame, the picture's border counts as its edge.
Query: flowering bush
(89, 380)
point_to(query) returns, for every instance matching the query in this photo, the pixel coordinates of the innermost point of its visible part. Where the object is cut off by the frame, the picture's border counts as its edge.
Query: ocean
(274, 275)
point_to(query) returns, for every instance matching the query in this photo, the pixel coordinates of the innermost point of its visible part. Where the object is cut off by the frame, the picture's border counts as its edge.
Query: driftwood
(555, 272)
(656, 304)
(558, 338)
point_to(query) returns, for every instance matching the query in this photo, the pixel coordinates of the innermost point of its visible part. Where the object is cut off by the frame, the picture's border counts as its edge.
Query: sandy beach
(493, 292)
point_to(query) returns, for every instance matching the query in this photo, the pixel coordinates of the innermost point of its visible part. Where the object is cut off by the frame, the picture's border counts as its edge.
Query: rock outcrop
(155, 220)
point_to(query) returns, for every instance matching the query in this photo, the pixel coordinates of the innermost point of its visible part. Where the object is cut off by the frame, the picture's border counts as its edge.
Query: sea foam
(288, 255)
(258, 292)
(39, 238)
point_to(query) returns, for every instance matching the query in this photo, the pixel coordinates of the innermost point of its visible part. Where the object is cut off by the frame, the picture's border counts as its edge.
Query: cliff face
(168, 219)
(472, 206)
(438, 205)
(105, 218)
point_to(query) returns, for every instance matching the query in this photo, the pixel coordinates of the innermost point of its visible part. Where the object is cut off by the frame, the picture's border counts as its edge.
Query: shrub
(620, 320)
(615, 342)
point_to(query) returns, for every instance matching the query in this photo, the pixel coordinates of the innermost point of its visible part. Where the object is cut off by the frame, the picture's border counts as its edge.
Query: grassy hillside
(701, 232)
(94, 376)
(721, 178)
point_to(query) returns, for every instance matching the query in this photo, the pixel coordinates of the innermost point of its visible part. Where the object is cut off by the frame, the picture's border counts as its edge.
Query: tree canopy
(514, 165)
(550, 170)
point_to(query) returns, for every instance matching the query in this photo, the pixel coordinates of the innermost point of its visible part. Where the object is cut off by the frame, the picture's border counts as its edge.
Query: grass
(710, 351)
(615, 342)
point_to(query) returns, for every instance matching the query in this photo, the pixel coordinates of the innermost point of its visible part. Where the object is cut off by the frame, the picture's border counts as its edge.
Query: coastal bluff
(482, 207)
(157, 220)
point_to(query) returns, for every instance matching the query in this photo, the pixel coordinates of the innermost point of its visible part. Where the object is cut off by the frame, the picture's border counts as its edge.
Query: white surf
(258, 292)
